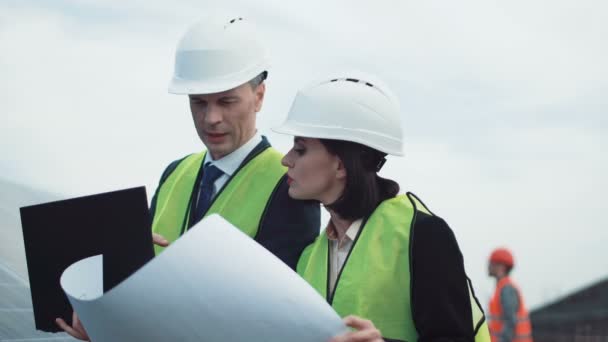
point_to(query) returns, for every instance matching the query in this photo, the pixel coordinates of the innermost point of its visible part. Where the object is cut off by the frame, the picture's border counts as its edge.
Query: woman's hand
(365, 331)
(159, 240)
(76, 330)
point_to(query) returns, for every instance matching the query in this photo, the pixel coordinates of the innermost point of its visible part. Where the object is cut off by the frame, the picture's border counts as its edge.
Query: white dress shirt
(339, 249)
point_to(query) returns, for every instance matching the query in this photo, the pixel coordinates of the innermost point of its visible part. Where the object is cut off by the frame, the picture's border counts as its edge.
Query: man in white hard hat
(222, 66)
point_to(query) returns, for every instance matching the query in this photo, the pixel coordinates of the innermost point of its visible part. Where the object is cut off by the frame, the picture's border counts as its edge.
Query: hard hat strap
(380, 164)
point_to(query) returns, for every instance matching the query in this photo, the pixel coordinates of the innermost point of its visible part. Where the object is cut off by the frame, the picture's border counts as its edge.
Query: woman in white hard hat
(385, 262)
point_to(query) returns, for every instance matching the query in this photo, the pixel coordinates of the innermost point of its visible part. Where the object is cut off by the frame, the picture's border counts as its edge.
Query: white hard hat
(216, 55)
(353, 107)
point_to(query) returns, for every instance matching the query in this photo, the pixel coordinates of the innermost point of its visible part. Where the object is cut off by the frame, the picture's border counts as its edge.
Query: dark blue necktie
(205, 193)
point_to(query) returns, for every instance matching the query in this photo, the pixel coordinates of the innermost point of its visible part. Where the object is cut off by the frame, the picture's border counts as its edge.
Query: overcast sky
(504, 108)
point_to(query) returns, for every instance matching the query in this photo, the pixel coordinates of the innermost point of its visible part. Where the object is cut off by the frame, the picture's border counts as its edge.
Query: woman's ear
(340, 169)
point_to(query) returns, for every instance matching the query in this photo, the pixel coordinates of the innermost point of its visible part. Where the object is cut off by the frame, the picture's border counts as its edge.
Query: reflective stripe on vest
(523, 327)
(368, 285)
(242, 201)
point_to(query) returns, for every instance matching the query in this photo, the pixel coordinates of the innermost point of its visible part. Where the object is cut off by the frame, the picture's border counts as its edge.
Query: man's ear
(260, 91)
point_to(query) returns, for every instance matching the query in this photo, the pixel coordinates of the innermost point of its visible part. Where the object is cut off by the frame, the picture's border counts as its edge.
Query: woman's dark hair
(364, 189)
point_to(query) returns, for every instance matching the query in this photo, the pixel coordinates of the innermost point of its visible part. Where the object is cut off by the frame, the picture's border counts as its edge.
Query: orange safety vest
(523, 328)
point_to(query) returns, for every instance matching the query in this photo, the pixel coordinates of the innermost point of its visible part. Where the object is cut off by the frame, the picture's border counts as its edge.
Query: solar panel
(16, 313)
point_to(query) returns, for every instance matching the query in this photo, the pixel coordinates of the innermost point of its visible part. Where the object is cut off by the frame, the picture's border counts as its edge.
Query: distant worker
(507, 318)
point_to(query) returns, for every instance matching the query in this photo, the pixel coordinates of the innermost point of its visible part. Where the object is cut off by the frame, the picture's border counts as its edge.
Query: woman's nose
(286, 161)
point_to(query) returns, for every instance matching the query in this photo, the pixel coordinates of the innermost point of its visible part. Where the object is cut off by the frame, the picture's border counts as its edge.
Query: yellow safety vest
(370, 284)
(242, 201)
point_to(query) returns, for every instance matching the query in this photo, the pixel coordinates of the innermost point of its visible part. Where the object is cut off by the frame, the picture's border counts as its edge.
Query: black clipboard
(57, 234)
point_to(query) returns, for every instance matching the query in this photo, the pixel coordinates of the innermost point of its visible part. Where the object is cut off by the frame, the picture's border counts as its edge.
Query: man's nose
(213, 115)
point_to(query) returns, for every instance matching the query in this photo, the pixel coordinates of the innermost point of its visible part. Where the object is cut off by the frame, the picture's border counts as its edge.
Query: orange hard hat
(502, 256)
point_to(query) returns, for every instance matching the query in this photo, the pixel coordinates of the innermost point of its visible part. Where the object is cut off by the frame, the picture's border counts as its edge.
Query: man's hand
(365, 331)
(76, 330)
(159, 240)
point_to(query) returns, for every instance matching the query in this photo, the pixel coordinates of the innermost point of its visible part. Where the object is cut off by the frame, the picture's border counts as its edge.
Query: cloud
(503, 108)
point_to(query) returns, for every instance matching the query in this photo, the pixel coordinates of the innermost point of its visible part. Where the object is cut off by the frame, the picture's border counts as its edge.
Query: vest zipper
(193, 193)
(274, 191)
(330, 296)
